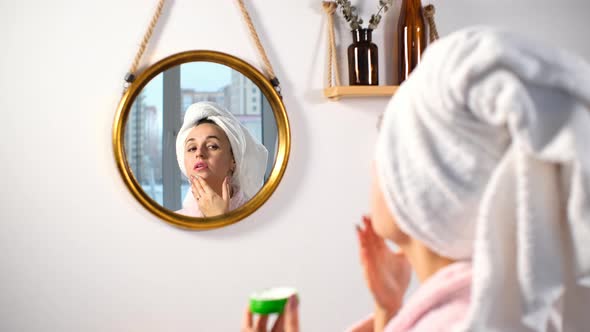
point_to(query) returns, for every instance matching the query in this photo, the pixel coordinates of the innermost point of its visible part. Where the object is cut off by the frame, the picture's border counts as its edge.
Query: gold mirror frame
(283, 133)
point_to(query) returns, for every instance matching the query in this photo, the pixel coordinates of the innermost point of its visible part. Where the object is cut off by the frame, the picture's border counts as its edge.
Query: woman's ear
(232, 168)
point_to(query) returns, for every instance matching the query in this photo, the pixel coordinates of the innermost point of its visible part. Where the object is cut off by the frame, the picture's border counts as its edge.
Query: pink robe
(191, 208)
(439, 304)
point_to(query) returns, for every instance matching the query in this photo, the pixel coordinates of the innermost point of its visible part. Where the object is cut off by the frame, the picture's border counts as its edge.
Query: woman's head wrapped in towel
(484, 155)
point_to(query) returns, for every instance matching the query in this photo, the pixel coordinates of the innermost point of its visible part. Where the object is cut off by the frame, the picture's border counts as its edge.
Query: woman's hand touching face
(387, 273)
(210, 203)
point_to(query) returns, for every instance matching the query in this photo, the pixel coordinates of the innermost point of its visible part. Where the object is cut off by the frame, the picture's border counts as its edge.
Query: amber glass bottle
(411, 34)
(363, 67)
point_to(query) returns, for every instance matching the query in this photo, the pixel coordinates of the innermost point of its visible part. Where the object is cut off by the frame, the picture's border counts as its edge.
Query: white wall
(78, 253)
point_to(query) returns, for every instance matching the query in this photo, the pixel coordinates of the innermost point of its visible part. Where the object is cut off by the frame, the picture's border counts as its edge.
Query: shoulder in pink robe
(439, 304)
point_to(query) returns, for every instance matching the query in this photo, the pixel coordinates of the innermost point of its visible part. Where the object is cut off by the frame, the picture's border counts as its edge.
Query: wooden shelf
(336, 92)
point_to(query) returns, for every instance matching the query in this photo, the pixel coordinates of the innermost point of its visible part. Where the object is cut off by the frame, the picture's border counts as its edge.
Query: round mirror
(201, 139)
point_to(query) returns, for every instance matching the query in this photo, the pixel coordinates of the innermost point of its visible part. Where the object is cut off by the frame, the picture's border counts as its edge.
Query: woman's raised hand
(387, 273)
(210, 203)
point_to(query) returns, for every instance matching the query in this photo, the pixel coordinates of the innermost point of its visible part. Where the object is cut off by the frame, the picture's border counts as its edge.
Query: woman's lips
(200, 166)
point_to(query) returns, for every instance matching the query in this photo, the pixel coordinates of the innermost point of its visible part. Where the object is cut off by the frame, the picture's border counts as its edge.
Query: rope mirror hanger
(267, 67)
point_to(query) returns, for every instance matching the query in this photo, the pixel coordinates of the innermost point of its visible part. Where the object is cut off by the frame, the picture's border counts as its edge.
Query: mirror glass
(207, 120)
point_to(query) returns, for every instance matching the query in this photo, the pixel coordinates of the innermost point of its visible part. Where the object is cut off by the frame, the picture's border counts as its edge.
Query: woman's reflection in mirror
(223, 163)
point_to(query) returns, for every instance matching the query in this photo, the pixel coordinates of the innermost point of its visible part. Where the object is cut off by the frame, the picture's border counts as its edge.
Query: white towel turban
(484, 154)
(250, 156)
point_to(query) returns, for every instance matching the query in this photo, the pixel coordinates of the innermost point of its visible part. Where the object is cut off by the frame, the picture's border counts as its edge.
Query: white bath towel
(484, 155)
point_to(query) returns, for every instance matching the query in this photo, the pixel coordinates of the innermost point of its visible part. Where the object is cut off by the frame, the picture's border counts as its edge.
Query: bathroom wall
(79, 253)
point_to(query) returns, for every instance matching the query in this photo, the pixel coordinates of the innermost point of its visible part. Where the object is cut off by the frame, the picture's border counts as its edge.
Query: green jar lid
(270, 300)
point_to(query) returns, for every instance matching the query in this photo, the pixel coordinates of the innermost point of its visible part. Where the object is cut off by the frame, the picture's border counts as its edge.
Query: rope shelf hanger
(429, 12)
(267, 67)
(329, 8)
(335, 91)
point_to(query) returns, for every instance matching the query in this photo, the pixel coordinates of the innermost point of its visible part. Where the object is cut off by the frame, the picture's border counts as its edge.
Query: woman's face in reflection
(208, 154)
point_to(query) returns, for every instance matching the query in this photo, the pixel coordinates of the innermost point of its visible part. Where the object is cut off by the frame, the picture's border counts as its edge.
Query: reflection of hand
(288, 321)
(210, 203)
(387, 273)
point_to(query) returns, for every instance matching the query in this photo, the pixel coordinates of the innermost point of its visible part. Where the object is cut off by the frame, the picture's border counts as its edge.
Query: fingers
(204, 186)
(371, 237)
(369, 226)
(196, 185)
(360, 235)
(288, 321)
(279, 325)
(363, 254)
(247, 320)
(225, 191)
(261, 322)
(365, 234)
(248, 325)
(291, 313)
(367, 222)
